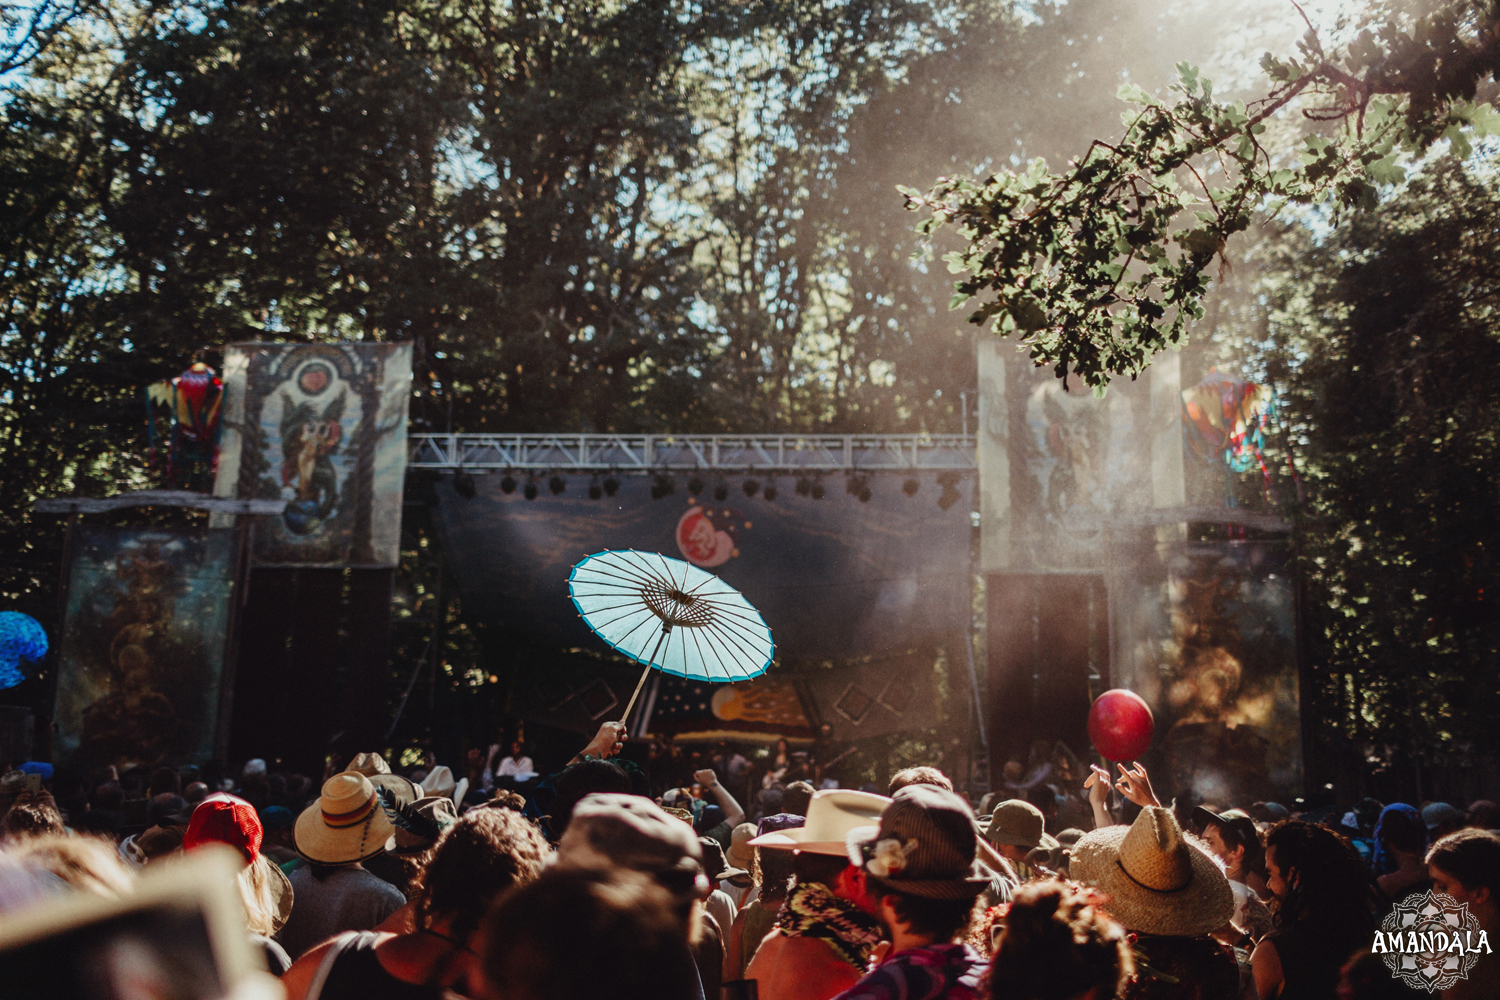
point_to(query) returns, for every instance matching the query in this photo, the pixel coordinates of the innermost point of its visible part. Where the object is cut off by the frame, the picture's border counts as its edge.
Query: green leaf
(1134, 93)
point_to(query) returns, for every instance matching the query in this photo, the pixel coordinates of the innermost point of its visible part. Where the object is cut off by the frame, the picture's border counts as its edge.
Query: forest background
(651, 215)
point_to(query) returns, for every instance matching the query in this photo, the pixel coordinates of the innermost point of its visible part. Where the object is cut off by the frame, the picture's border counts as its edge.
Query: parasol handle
(665, 631)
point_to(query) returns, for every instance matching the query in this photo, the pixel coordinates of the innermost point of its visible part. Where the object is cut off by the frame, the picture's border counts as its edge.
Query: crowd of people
(505, 884)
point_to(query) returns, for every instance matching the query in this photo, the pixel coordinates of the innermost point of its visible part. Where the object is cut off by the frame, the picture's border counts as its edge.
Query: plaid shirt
(937, 972)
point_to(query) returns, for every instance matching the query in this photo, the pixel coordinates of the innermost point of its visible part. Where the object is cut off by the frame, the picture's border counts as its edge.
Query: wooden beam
(157, 498)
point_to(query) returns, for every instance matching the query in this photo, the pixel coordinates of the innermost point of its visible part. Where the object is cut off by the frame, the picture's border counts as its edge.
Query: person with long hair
(481, 856)
(1321, 888)
(1058, 944)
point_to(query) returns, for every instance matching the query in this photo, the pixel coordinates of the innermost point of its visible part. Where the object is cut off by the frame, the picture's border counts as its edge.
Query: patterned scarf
(813, 911)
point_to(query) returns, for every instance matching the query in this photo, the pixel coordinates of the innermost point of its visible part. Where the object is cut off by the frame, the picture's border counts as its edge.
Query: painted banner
(1058, 467)
(323, 427)
(1206, 633)
(143, 646)
(834, 577)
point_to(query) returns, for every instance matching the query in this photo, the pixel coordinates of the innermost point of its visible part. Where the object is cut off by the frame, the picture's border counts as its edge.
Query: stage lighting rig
(595, 490)
(817, 489)
(611, 486)
(508, 484)
(770, 491)
(911, 486)
(695, 485)
(750, 487)
(463, 484)
(721, 491)
(804, 486)
(557, 484)
(529, 491)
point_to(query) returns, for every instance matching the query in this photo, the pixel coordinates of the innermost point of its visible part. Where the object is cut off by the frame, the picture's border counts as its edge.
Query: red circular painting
(705, 540)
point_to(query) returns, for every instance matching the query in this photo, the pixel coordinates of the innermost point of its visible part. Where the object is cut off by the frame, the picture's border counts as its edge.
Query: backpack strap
(337, 948)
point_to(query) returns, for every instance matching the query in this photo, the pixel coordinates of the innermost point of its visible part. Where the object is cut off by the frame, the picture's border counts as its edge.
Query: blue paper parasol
(670, 615)
(22, 639)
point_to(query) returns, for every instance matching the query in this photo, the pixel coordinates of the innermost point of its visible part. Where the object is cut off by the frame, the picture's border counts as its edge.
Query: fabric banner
(323, 427)
(144, 639)
(1058, 466)
(834, 577)
(1206, 633)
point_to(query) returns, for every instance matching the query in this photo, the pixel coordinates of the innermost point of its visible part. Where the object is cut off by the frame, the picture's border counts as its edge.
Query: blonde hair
(255, 892)
(88, 864)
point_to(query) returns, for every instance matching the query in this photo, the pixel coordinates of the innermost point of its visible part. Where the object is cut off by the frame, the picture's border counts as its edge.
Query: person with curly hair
(1058, 945)
(1321, 889)
(477, 859)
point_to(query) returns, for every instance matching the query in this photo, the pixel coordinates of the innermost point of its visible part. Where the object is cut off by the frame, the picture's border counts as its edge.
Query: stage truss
(656, 453)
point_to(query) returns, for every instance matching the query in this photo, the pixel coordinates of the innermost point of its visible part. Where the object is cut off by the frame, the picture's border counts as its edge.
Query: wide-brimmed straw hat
(346, 824)
(1158, 880)
(924, 846)
(830, 816)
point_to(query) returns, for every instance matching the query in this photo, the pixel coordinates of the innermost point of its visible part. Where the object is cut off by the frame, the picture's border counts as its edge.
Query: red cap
(225, 819)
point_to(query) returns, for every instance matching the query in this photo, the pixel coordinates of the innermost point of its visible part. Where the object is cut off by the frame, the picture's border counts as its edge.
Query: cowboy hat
(740, 853)
(1159, 881)
(439, 781)
(369, 764)
(830, 816)
(346, 824)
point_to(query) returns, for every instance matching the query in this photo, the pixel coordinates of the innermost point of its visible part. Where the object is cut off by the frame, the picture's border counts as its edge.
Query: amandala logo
(1430, 941)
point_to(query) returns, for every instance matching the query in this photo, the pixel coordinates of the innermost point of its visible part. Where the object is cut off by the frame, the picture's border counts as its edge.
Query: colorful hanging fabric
(1228, 419)
(191, 402)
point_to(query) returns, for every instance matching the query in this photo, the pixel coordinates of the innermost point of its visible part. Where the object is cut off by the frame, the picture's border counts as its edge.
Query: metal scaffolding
(647, 453)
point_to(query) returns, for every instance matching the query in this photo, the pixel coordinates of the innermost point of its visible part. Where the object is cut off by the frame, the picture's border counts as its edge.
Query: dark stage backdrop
(833, 577)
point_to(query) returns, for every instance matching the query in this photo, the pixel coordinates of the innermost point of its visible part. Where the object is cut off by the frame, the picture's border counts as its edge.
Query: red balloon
(1120, 725)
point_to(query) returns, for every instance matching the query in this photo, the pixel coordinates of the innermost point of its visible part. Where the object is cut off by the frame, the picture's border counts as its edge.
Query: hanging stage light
(508, 484)
(663, 486)
(750, 487)
(911, 486)
(865, 493)
(851, 485)
(611, 486)
(463, 484)
(595, 490)
(817, 489)
(721, 491)
(695, 485)
(770, 491)
(557, 484)
(530, 489)
(804, 486)
(950, 494)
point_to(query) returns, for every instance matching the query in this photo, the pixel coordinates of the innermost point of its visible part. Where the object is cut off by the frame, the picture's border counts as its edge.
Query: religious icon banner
(145, 636)
(323, 427)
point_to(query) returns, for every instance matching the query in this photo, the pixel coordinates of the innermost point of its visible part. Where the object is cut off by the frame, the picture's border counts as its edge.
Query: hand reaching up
(1135, 785)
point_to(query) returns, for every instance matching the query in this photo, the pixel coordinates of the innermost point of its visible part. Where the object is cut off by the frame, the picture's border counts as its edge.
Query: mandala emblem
(1430, 941)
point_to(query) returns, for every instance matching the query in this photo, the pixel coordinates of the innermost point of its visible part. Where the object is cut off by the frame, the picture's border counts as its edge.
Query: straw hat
(369, 764)
(831, 816)
(346, 824)
(1159, 881)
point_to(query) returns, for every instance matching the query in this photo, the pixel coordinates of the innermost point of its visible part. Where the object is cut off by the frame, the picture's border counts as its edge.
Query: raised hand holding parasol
(671, 615)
